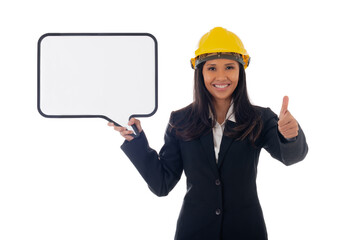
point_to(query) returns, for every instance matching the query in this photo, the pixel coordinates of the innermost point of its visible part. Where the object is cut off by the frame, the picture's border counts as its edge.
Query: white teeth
(221, 86)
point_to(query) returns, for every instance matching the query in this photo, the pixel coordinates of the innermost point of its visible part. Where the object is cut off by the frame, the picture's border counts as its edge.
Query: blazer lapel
(207, 143)
(225, 144)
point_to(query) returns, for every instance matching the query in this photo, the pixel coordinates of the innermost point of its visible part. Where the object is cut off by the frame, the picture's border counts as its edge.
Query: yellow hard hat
(220, 43)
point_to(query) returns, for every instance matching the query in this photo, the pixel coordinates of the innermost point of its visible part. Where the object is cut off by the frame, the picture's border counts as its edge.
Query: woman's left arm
(283, 137)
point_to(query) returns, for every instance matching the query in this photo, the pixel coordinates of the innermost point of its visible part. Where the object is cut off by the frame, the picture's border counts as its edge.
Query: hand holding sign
(287, 124)
(127, 134)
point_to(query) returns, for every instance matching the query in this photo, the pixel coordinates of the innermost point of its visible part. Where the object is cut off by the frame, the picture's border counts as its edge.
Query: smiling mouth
(221, 85)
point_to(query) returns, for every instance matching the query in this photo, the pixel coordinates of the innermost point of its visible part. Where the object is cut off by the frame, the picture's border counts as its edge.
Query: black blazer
(221, 202)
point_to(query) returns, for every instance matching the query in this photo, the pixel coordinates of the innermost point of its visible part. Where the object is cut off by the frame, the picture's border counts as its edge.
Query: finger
(129, 138)
(286, 132)
(127, 132)
(290, 134)
(131, 121)
(285, 118)
(284, 106)
(135, 121)
(118, 128)
(288, 127)
(123, 131)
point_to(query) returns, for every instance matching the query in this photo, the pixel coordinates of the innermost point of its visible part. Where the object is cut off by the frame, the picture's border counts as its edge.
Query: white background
(68, 178)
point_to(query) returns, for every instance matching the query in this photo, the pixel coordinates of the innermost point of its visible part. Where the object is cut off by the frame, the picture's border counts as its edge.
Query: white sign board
(112, 76)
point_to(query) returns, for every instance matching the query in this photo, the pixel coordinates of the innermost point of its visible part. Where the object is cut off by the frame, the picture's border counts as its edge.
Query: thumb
(135, 121)
(284, 105)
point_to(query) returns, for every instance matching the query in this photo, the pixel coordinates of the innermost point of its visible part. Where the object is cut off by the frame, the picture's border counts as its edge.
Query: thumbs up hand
(287, 124)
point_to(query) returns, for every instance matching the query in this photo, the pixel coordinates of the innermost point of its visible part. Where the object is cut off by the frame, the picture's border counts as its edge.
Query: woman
(216, 141)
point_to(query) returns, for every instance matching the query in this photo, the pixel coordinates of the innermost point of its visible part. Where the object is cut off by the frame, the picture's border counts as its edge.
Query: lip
(221, 86)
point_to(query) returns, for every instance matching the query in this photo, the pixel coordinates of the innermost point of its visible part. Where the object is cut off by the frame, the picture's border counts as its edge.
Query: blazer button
(218, 211)
(217, 182)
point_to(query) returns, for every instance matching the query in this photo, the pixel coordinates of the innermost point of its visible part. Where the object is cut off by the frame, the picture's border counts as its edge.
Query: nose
(221, 75)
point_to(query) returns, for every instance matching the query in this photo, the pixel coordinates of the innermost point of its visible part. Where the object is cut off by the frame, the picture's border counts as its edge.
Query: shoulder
(178, 118)
(265, 113)
(181, 114)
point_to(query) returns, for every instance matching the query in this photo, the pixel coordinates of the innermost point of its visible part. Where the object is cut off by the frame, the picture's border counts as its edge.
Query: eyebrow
(213, 64)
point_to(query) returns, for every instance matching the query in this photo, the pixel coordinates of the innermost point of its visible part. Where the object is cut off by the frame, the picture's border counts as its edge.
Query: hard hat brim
(225, 55)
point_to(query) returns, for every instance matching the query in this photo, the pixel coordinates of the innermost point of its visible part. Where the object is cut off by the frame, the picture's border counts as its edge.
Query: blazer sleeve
(287, 151)
(160, 171)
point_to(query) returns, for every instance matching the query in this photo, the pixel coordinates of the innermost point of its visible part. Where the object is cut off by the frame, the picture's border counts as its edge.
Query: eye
(229, 67)
(211, 68)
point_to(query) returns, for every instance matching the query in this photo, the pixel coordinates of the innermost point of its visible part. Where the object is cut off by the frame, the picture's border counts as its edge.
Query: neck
(221, 108)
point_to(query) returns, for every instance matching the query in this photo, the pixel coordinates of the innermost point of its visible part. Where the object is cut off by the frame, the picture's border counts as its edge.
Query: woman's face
(221, 77)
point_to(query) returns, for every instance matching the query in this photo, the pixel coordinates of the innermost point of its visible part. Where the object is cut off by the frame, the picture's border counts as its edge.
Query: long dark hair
(196, 120)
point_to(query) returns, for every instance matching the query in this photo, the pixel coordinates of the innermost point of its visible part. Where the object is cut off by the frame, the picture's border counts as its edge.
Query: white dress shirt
(218, 130)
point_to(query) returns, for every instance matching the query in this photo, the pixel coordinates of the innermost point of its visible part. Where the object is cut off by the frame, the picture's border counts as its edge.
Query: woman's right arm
(160, 171)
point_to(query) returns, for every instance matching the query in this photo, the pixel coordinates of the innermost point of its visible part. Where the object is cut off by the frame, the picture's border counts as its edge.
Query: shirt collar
(230, 115)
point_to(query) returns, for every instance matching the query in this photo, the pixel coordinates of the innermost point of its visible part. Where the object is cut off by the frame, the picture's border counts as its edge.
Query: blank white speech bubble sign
(112, 76)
